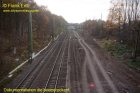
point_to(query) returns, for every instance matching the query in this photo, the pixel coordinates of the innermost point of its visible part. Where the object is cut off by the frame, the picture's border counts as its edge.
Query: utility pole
(1, 13)
(30, 46)
(53, 27)
(101, 32)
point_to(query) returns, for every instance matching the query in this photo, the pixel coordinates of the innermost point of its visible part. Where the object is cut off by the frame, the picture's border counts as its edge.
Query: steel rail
(53, 68)
(46, 54)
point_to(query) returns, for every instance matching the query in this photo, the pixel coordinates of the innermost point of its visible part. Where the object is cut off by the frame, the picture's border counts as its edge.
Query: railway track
(26, 82)
(75, 67)
(47, 67)
(70, 62)
(104, 83)
(52, 82)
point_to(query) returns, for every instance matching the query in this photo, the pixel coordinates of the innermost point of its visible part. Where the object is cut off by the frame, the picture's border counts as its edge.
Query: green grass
(134, 65)
(118, 50)
(8, 80)
(4, 82)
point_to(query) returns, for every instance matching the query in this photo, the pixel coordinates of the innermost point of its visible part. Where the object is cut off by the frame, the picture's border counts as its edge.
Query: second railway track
(29, 78)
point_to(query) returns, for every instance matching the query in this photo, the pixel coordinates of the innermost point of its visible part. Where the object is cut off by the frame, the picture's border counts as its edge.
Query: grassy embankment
(120, 51)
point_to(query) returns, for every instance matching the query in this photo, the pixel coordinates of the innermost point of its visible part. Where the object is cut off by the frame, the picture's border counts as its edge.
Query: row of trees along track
(14, 33)
(123, 24)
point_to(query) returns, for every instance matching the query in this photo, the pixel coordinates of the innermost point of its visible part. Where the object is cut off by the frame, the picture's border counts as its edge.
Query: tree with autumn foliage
(14, 33)
(122, 25)
(126, 14)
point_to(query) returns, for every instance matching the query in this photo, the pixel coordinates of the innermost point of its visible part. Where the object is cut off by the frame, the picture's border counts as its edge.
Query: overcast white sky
(76, 11)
